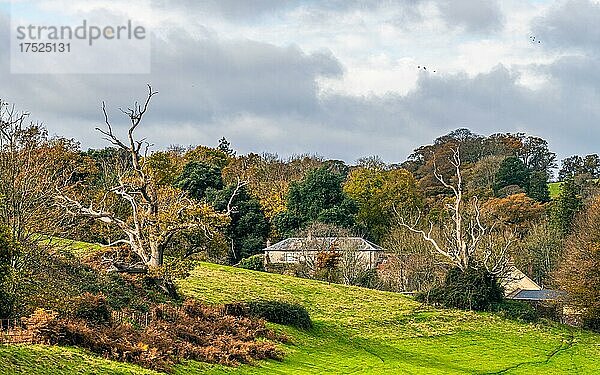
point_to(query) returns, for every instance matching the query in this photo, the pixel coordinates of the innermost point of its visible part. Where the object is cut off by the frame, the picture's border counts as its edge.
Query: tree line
(466, 201)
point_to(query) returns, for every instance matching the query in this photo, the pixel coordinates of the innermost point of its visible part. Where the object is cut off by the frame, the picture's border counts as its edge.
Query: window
(290, 258)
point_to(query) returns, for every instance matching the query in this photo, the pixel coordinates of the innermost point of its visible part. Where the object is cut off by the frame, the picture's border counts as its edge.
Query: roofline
(375, 246)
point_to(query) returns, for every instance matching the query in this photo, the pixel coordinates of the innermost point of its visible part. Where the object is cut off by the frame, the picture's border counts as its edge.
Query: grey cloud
(201, 82)
(482, 16)
(231, 9)
(264, 97)
(487, 103)
(475, 16)
(573, 24)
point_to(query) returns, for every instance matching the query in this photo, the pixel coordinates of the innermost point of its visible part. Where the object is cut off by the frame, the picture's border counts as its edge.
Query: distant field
(554, 188)
(357, 331)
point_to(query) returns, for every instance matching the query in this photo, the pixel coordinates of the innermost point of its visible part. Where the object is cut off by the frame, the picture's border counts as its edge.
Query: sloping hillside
(365, 331)
(361, 331)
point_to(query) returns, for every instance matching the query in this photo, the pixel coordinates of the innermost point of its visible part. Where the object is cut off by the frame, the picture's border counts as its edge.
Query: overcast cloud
(340, 78)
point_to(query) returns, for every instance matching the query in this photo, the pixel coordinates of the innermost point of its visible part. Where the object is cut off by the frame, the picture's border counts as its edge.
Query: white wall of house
(369, 258)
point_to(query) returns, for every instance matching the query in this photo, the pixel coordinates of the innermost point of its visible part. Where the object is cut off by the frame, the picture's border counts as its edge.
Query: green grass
(554, 188)
(365, 331)
(51, 360)
(357, 331)
(78, 248)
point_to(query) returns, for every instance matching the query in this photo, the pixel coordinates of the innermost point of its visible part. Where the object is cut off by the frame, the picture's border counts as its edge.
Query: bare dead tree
(158, 213)
(467, 238)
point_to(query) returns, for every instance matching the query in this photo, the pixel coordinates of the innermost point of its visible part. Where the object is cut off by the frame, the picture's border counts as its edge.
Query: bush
(254, 263)
(368, 279)
(473, 289)
(592, 324)
(272, 311)
(92, 308)
(516, 310)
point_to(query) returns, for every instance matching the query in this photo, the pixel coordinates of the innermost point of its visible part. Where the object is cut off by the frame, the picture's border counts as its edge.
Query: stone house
(296, 250)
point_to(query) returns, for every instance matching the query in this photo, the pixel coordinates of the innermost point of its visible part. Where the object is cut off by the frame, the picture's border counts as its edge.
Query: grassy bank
(357, 331)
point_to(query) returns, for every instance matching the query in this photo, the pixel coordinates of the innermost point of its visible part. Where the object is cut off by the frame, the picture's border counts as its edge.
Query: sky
(339, 78)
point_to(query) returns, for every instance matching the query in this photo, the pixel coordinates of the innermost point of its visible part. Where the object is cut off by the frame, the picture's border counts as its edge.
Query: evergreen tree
(568, 203)
(512, 172)
(317, 198)
(538, 186)
(249, 228)
(197, 178)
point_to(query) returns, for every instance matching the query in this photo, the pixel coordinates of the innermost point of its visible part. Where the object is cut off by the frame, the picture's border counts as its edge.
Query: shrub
(92, 308)
(272, 311)
(592, 323)
(473, 289)
(516, 310)
(368, 279)
(254, 263)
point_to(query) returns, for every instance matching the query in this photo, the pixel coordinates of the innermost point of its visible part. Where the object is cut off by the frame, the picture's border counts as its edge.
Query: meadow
(356, 330)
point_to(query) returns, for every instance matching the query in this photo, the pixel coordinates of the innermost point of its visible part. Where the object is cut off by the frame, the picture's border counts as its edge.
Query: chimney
(268, 243)
(309, 236)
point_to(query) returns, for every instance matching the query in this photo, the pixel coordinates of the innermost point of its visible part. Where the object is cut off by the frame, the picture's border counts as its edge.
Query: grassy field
(357, 331)
(554, 188)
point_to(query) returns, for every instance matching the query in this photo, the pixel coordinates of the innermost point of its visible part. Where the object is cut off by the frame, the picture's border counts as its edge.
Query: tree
(428, 160)
(538, 186)
(517, 211)
(539, 253)
(578, 270)
(377, 192)
(512, 172)
(566, 206)
(269, 177)
(481, 179)
(32, 167)
(535, 154)
(317, 198)
(249, 228)
(410, 266)
(574, 166)
(328, 262)
(465, 242)
(7, 250)
(198, 177)
(157, 213)
(225, 147)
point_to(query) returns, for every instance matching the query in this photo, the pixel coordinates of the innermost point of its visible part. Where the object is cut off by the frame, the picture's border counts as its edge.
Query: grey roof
(324, 243)
(538, 295)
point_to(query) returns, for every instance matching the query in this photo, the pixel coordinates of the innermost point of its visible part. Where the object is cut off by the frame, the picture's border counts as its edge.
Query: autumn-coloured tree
(32, 167)
(516, 211)
(481, 178)
(328, 262)
(377, 191)
(269, 177)
(578, 270)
